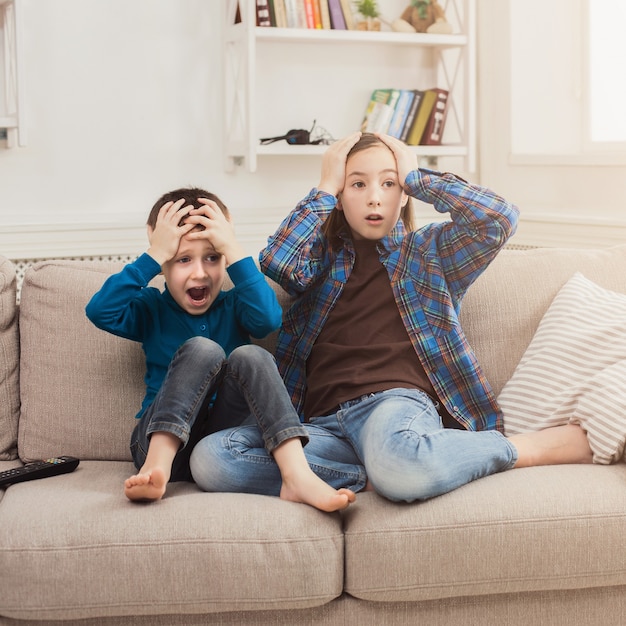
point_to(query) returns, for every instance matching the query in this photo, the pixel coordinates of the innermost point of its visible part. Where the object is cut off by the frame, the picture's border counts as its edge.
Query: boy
(202, 374)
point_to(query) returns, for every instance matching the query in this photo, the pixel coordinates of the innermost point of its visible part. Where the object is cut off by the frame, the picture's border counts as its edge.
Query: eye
(389, 183)
(183, 259)
(213, 258)
(358, 184)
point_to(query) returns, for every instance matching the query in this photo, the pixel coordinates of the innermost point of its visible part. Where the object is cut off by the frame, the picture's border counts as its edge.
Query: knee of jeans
(251, 355)
(406, 479)
(205, 347)
(206, 463)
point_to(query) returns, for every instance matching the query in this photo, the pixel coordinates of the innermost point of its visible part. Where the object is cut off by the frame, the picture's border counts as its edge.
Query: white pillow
(574, 370)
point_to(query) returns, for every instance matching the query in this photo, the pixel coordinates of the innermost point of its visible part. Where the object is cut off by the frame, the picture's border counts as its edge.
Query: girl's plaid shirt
(430, 270)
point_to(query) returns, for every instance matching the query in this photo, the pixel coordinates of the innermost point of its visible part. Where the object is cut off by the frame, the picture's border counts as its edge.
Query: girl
(372, 351)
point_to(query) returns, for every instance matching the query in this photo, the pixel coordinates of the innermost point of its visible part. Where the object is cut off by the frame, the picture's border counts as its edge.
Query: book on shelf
(346, 6)
(337, 19)
(263, 13)
(418, 94)
(400, 113)
(421, 118)
(379, 110)
(296, 14)
(433, 132)
(279, 13)
(310, 13)
(325, 14)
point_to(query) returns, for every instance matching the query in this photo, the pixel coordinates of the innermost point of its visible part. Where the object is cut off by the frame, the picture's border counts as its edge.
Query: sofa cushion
(574, 370)
(80, 387)
(502, 310)
(533, 529)
(9, 362)
(91, 552)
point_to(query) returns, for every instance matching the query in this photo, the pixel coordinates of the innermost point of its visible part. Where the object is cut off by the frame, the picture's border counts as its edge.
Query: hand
(333, 175)
(406, 159)
(165, 237)
(218, 230)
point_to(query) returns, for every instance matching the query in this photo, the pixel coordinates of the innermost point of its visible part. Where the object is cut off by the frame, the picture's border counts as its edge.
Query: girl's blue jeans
(394, 438)
(205, 391)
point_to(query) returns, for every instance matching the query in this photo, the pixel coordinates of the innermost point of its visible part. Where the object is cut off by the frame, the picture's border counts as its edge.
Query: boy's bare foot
(148, 485)
(308, 488)
(552, 446)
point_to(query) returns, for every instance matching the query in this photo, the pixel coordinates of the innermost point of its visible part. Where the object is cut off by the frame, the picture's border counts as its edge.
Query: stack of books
(329, 14)
(414, 116)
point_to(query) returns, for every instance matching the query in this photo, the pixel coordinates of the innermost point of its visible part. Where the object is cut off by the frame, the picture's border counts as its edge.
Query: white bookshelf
(447, 61)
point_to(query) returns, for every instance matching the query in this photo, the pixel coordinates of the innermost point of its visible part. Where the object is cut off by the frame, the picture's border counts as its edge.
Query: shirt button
(455, 408)
(203, 327)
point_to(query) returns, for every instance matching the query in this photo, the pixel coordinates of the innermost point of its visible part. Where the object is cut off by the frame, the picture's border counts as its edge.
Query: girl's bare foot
(148, 485)
(304, 486)
(552, 446)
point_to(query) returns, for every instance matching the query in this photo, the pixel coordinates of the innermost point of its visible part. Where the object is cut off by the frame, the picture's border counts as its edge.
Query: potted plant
(369, 10)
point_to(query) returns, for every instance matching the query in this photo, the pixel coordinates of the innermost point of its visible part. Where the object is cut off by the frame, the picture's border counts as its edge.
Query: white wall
(124, 102)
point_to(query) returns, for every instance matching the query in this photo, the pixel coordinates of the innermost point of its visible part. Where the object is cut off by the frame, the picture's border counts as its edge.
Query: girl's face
(195, 275)
(372, 197)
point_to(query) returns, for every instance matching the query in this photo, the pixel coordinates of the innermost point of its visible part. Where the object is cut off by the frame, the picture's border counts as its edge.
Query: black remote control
(39, 469)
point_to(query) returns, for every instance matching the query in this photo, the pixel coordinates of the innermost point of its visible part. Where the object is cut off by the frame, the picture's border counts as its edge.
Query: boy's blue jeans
(395, 438)
(204, 391)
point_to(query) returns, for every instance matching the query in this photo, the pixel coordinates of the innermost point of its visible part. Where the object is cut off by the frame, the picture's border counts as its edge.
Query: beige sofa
(531, 546)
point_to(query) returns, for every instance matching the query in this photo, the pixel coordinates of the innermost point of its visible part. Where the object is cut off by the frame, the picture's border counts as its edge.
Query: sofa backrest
(9, 362)
(81, 387)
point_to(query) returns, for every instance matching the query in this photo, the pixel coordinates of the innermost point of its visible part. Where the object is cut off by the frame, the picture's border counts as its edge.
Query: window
(607, 89)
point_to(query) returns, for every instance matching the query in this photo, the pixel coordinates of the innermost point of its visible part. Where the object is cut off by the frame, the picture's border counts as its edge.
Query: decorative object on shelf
(369, 10)
(425, 16)
(301, 137)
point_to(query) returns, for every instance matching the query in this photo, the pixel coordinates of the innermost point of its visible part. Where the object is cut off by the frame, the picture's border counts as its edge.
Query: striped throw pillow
(574, 370)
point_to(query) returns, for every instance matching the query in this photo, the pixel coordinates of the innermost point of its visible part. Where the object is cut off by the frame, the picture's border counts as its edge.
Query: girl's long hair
(336, 222)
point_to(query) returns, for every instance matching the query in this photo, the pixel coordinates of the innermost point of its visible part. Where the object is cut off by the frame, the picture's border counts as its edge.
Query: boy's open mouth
(197, 294)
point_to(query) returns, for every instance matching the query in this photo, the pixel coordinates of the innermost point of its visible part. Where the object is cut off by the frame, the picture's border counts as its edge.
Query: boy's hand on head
(165, 237)
(406, 159)
(333, 175)
(218, 230)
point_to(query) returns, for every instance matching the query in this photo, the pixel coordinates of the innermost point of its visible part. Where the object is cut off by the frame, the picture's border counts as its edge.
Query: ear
(339, 206)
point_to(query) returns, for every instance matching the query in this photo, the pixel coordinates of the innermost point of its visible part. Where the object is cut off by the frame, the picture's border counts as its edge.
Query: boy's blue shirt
(127, 307)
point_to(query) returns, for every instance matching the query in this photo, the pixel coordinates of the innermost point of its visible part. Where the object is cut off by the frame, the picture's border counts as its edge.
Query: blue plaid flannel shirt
(430, 270)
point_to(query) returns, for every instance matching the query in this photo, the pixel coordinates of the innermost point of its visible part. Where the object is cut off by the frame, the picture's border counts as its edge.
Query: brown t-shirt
(363, 347)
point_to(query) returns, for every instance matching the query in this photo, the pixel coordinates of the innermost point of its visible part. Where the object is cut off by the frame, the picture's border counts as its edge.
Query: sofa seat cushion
(9, 362)
(74, 547)
(533, 529)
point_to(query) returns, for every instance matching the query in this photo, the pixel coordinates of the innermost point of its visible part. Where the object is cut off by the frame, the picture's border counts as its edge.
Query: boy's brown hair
(190, 195)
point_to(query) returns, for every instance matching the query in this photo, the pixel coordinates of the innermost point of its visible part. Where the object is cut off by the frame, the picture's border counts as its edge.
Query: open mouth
(374, 218)
(198, 295)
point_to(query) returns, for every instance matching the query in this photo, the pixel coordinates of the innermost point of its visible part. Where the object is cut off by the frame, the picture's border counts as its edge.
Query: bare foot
(146, 486)
(552, 446)
(308, 488)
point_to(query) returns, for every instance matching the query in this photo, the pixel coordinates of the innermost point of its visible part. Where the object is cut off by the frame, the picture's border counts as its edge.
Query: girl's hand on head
(165, 237)
(406, 159)
(333, 175)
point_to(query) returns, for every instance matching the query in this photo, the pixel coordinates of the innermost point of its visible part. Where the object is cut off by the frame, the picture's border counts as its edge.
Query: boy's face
(195, 275)
(372, 197)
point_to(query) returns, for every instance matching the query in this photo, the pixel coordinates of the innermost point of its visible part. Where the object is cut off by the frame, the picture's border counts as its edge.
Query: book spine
(421, 118)
(386, 115)
(325, 14)
(291, 10)
(263, 13)
(310, 13)
(336, 15)
(410, 118)
(281, 15)
(346, 7)
(317, 13)
(433, 132)
(400, 114)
